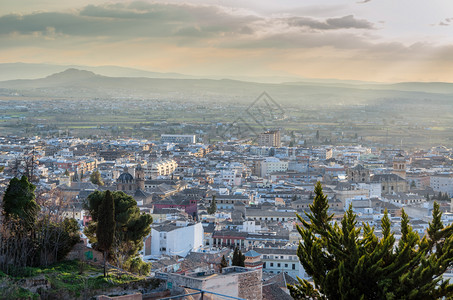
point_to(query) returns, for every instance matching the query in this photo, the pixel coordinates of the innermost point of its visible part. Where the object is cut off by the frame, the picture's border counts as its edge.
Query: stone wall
(233, 281)
(124, 297)
(250, 285)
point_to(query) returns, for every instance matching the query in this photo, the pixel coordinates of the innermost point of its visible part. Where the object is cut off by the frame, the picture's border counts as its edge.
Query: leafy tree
(66, 172)
(2, 168)
(30, 236)
(350, 262)
(19, 201)
(238, 258)
(137, 265)
(223, 263)
(131, 226)
(212, 207)
(105, 230)
(96, 178)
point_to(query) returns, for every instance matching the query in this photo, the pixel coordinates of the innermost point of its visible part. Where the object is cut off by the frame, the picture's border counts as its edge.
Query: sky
(372, 40)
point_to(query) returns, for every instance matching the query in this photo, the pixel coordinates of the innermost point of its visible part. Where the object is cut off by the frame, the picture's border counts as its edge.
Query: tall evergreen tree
(19, 201)
(212, 207)
(347, 261)
(223, 263)
(238, 258)
(105, 230)
(131, 226)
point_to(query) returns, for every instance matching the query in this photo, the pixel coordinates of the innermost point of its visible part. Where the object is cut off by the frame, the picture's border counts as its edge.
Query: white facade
(231, 177)
(272, 164)
(250, 226)
(178, 138)
(163, 167)
(279, 260)
(442, 183)
(374, 188)
(174, 240)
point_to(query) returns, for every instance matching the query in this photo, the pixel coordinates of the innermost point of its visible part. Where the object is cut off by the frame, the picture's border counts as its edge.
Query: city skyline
(384, 41)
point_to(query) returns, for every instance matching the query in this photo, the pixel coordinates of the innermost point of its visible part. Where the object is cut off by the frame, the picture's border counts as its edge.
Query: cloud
(155, 26)
(147, 20)
(364, 1)
(445, 22)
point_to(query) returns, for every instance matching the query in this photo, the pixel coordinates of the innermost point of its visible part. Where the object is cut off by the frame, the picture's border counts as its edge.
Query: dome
(125, 178)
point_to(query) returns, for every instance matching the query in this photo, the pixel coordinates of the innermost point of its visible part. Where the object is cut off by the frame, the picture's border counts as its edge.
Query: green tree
(105, 230)
(223, 263)
(131, 226)
(19, 201)
(96, 178)
(212, 207)
(66, 172)
(238, 258)
(350, 262)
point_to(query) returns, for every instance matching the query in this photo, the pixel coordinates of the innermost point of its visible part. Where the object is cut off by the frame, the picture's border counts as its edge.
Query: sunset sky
(375, 40)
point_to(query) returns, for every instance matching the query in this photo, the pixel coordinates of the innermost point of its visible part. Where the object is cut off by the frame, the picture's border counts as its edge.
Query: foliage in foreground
(350, 262)
(31, 235)
(65, 277)
(131, 227)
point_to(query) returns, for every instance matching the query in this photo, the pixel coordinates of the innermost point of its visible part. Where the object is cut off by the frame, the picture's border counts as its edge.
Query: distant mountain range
(85, 83)
(10, 71)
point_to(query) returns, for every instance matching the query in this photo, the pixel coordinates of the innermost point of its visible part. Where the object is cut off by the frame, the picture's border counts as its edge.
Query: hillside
(74, 83)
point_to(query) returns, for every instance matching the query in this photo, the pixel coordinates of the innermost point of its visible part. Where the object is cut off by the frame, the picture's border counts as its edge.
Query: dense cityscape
(257, 189)
(246, 150)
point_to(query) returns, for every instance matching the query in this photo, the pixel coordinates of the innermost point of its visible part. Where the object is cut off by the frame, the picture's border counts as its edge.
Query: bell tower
(140, 177)
(399, 165)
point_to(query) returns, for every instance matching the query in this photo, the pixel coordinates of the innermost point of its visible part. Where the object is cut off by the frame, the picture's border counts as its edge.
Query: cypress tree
(238, 258)
(347, 261)
(212, 207)
(19, 201)
(105, 230)
(223, 263)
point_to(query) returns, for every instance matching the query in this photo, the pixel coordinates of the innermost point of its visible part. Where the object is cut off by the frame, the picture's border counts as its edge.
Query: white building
(277, 260)
(272, 165)
(178, 138)
(442, 183)
(162, 167)
(231, 177)
(174, 239)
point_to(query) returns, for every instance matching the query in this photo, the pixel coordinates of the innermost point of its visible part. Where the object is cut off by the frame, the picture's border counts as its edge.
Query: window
(272, 264)
(294, 266)
(264, 265)
(286, 265)
(278, 265)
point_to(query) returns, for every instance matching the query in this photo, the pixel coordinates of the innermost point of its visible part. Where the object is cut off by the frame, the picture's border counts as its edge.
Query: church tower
(140, 177)
(399, 165)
